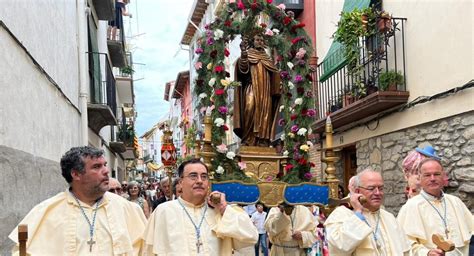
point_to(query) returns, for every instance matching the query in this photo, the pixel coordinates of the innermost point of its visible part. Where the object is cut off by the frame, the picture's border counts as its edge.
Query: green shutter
(334, 59)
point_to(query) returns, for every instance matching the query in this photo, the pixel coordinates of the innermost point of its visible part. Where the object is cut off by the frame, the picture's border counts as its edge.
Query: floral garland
(286, 35)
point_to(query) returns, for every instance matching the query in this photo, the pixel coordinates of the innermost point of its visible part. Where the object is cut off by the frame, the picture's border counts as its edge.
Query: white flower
(220, 170)
(202, 95)
(299, 101)
(302, 131)
(310, 131)
(291, 85)
(281, 6)
(282, 107)
(219, 122)
(276, 31)
(282, 136)
(290, 65)
(218, 34)
(286, 153)
(212, 81)
(230, 155)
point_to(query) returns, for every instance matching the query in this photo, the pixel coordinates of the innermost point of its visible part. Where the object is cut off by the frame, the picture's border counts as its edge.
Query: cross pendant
(198, 245)
(90, 243)
(446, 231)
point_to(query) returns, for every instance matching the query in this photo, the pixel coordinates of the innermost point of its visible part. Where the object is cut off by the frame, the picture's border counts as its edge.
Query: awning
(334, 59)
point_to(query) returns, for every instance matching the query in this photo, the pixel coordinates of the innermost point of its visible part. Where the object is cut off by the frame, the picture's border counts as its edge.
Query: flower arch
(292, 49)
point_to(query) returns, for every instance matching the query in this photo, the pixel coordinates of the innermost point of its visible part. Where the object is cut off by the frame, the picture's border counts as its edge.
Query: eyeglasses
(195, 176)
(115, 190)
(373, 188)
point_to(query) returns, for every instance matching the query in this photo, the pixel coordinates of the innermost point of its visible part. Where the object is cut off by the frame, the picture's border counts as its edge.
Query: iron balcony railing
(102, 92)
(379, 53)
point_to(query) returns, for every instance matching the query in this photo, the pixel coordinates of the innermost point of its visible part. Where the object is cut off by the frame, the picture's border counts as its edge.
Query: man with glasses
(196, 225)
(434, 212)
(115, 186)
(367, 229)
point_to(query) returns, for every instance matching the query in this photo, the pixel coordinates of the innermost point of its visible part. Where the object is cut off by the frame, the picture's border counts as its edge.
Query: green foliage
(286, 37)
(126, 134)
(190, 138)
(350, 29)
(388, 78)
(128, 70)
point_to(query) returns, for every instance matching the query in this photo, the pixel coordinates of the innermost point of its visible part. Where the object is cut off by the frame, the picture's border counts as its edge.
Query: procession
(299, 128)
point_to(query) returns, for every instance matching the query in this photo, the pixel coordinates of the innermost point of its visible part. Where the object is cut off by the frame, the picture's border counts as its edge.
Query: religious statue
(256, 101)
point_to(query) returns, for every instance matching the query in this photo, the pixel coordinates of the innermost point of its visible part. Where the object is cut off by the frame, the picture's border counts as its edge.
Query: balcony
(116, 47)
(348, 101)
(296, 6)
(102, 108)
(105, 9)
(124, 81)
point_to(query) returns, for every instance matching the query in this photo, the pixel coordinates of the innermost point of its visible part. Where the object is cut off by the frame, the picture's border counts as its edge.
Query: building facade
(434, 105)
(61, 87)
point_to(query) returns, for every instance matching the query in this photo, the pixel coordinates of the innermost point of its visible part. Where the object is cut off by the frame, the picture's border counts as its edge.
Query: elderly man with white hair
(367, 229)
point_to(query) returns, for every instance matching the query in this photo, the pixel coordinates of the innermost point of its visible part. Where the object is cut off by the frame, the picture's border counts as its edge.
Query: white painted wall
(48, 29)
(35, 117)
(439, 56)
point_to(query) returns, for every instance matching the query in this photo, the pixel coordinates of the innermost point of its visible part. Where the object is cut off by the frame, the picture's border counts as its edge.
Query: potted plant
(384, 22)
(389, 80)
(127, 70)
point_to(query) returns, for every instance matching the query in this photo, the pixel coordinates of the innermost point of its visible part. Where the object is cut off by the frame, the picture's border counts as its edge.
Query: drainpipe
(82, 12)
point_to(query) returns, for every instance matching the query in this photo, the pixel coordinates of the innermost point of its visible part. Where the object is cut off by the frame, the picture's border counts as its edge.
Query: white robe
(170, 232)
(347, 234)
(280, 228)
(57, 226)
(420, 221)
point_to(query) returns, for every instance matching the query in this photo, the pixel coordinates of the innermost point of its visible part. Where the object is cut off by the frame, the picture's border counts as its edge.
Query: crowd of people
(97, 215)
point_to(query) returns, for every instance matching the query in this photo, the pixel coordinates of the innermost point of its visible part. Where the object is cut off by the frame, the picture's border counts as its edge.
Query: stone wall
(453, 139)
(25, 180)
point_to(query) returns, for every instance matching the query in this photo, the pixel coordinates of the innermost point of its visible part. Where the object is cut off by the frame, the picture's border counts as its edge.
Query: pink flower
(222, 148)
(294, 128)
(202, 110)
(311, 112)
(308, 176)
(300, 54)
(281, 6)
(269, 32)
(240, 5)
(242, 165)
(199, 51)
(198, 65)
(222, 109)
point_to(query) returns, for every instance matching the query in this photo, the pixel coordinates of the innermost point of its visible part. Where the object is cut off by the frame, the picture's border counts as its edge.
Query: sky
(155, 30)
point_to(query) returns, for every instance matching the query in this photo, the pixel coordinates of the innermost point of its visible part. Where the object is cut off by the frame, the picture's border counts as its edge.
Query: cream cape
(170, 232)
(349, 235)
(280, 227)
(420, 221)
(56, 226)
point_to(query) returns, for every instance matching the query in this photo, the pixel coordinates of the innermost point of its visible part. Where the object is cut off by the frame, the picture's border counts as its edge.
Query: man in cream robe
(290, 234)
(433, 212)
(57, 226)
(368, 229)
(192, 225)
